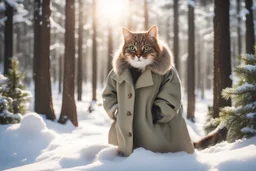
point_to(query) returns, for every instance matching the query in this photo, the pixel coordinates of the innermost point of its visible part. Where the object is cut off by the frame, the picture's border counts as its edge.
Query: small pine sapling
(14, 88)
(240, 119)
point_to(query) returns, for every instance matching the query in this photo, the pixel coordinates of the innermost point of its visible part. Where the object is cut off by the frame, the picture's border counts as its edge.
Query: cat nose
(138, 55)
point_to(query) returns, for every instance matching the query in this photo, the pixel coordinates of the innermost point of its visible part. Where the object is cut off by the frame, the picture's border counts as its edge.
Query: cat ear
(126, 33)
(153, 32)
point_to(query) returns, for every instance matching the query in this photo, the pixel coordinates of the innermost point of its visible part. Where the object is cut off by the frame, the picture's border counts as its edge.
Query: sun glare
(112, 10)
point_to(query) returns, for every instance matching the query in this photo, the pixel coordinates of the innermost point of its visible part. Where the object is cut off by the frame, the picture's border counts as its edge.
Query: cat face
(140, 49)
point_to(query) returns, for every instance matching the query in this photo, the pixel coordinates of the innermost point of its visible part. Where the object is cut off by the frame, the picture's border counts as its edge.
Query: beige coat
(130, 107)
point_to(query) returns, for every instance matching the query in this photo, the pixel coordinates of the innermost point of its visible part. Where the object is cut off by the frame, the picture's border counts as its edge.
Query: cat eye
(132, 48)
(146, 48)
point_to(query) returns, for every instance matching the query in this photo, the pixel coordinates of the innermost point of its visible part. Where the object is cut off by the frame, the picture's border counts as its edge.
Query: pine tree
(14, 91)
(241, 118)
(6, 117)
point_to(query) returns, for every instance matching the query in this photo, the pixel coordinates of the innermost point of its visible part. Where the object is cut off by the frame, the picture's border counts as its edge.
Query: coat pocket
(163, 130)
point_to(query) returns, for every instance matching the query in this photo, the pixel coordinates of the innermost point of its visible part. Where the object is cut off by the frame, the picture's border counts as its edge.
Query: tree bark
(43, 99)
(110, 48)
(250, 40)
(94, 51)
(80, 52)
(239, 42)
(176, 33)
(37, 19)
(222, 61)
(8, 40)
(168, 31)
(199, 66)
(60, 73)
(146, 15)
(191, 64)
(68, 110)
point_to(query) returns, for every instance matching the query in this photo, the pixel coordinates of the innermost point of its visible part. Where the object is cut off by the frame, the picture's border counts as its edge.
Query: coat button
(128, 113)
(129, 95)
(129, 134)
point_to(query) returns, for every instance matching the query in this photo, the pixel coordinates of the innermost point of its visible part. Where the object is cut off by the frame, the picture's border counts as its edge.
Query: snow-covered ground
(39, 144)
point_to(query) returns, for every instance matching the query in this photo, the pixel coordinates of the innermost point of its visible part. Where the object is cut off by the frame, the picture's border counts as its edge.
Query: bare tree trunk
(238, 4)
(68, 109)
(60, 73)
(199, 67)
(80, 52)
(110, 48)
(94, 51)
(250, 40)
(43, 99)
(37, 28)
(176, 33)
(146, 15)
(191, 64)
(168, 31)
(8, 40)
(37, 19)
(222, 61)
(1, 47)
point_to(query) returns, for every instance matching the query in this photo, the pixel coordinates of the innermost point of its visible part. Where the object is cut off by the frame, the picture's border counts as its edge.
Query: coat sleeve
(110, 103)
(169, 97)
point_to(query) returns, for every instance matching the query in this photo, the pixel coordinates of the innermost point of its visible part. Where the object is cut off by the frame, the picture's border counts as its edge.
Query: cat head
(142, 50)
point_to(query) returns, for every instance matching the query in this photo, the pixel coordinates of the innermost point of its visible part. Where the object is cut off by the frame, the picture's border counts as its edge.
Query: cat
(143, 97)
(143, 50)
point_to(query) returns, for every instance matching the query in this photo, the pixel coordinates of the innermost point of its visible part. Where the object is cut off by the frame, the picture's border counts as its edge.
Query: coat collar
(144, 80)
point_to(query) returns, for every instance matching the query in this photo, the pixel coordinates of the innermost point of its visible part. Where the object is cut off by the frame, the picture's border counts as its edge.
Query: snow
(21, 143)
(250, 68)
(12, 3)
(251, 115)
(2, 20)
(2, 78)
(192, 3)
(2, 7)
(56, 26)
(248, 130)
(246, 87)
(40, 144)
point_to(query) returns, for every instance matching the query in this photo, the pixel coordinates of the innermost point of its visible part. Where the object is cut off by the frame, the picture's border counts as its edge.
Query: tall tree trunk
(94, 51)
(146, 15)
(238, 4)
(43, 99)
(176, 33)
(191, 64)
(110, 48)
(80, 52)
(8, 40)
(37, 41)
(250, 40)
(60, 73)
(37, 19)
(1, 47)
(222, 61)
(68, 109)
(168, 31)
(199, 66)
